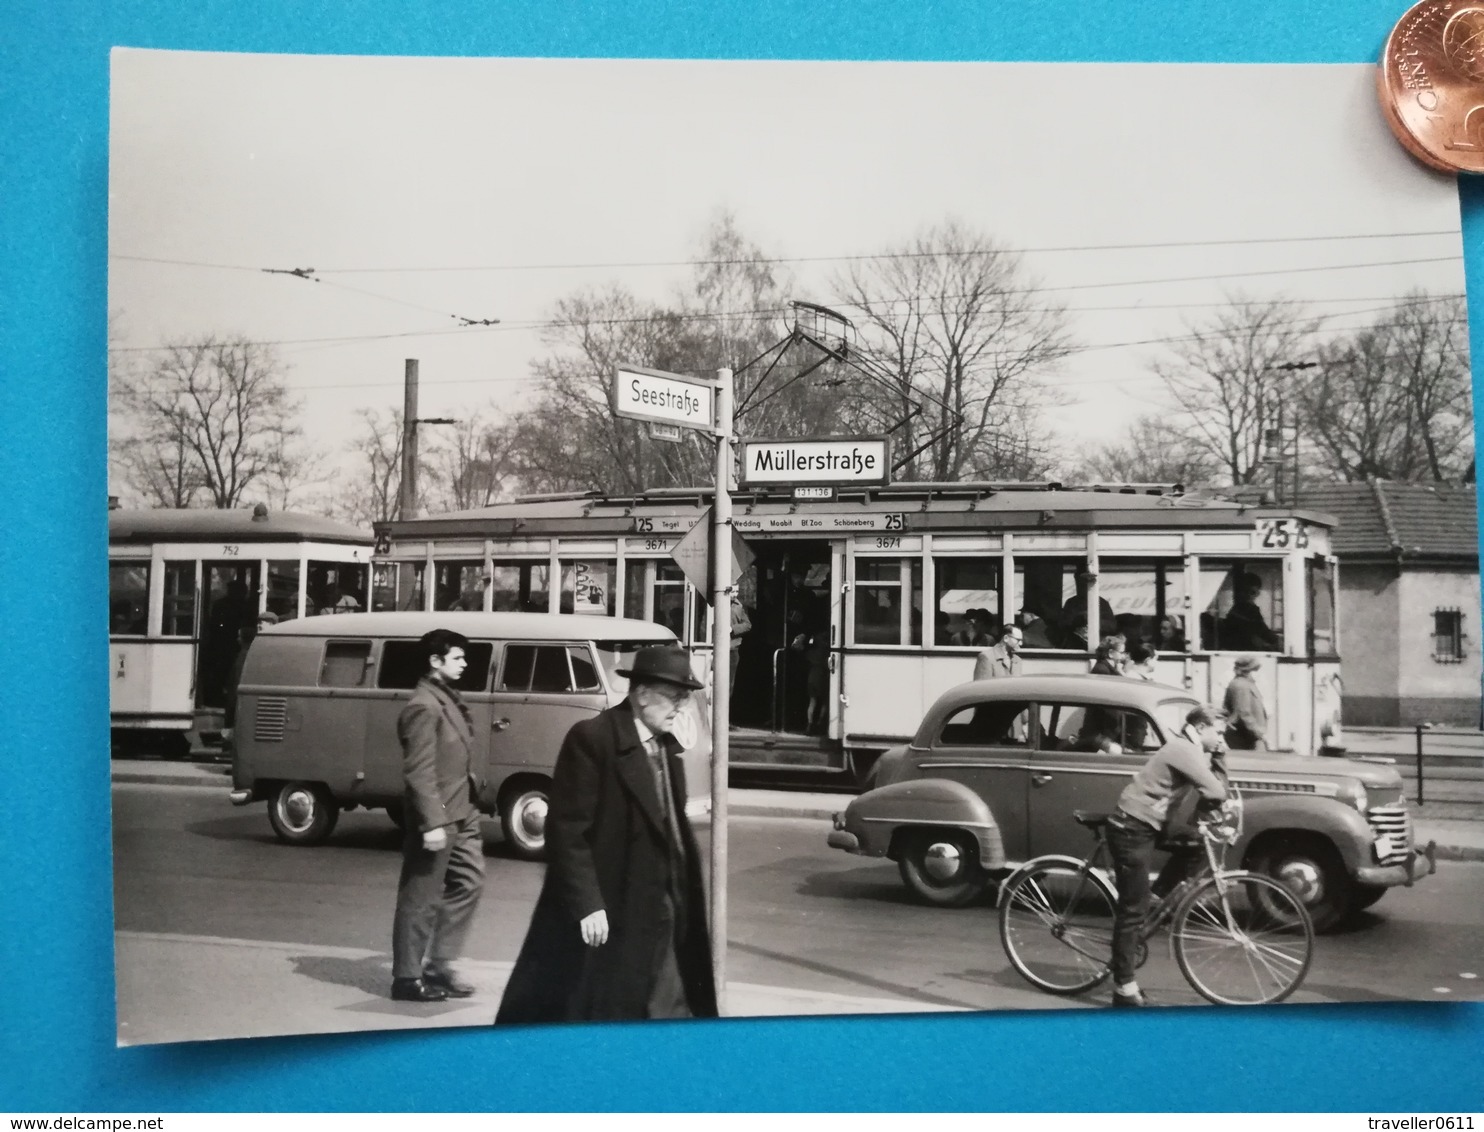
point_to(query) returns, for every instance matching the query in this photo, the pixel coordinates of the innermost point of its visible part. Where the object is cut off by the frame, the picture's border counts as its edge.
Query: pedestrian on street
(619, 930)
(1003, 659)
(442, 848)
(741, 623)
(1194, 758)
(1246, 714)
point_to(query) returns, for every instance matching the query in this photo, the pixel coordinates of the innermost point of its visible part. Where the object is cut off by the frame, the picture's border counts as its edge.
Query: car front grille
(1396, 822)
(271, 717)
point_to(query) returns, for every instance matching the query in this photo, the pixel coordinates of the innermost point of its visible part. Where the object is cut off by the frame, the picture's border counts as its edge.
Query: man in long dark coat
(619, 931)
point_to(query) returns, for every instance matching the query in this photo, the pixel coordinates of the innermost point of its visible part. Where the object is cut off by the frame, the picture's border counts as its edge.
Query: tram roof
(930, 505)
(248, 524)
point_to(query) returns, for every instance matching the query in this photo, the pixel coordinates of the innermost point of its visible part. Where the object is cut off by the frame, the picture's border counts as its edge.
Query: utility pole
(407, 503)
(721, 682)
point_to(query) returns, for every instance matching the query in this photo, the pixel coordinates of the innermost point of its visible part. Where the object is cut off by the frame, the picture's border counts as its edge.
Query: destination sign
(663, 398)
(843, 523)
(847, 460)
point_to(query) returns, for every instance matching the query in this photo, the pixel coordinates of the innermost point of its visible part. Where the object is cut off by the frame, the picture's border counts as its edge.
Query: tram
(877, 597)
(182, 585)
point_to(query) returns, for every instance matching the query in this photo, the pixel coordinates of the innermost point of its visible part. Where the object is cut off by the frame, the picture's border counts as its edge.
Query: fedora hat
(667, 663)
(1247, 664)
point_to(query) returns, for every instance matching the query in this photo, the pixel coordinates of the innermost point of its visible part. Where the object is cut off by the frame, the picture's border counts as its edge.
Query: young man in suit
(442, 850)
(619, 931)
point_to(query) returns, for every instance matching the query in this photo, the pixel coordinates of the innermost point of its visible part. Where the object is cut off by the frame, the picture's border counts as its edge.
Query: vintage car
(998, 768)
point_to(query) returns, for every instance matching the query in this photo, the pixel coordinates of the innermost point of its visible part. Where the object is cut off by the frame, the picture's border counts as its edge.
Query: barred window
(1447, 636)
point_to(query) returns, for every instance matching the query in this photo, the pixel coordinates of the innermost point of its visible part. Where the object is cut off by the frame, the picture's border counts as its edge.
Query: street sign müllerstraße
(829, 460)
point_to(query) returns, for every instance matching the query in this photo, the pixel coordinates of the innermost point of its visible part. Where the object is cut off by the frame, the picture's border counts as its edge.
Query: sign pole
(721, 677)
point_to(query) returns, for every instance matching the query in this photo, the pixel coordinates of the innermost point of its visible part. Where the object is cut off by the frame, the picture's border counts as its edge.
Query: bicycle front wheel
(1242, 939)
(1056, 923)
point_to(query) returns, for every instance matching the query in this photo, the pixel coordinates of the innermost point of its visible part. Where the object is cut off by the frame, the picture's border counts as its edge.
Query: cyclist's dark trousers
(1131, 845)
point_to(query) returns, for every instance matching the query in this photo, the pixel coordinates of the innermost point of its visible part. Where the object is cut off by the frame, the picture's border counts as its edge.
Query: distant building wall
(1369, 637)
(1431, 690)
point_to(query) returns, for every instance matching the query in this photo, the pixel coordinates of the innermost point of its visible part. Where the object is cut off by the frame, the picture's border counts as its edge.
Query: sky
(423, 191)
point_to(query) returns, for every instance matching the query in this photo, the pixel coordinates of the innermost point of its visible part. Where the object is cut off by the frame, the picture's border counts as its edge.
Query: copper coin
(1431, 83)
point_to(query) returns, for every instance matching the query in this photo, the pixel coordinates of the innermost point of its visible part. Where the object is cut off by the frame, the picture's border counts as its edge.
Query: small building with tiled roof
(1409, 605)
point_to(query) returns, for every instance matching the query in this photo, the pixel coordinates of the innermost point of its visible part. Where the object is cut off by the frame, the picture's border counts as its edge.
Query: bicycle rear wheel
(1056, 924)
(1242, 939)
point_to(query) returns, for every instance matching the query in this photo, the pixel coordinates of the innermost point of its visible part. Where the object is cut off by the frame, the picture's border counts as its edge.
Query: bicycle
(1240, 938)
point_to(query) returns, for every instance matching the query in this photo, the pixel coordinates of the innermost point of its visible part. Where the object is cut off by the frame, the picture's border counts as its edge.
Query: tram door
(784, 670)
(229, 600)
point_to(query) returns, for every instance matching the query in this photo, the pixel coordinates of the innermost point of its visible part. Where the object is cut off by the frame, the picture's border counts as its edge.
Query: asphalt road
(801, 915)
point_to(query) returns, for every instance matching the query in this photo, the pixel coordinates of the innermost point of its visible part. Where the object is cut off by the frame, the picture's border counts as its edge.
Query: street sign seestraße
(664, 398)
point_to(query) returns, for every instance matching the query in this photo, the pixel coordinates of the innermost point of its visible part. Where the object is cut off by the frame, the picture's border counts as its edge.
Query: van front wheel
(302, 813)
(523, 820)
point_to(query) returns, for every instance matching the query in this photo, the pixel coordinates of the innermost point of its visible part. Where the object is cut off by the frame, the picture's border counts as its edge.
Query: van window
(584, 674)
(403, 665)
(345, 664)
(546, 668)
(614, 655)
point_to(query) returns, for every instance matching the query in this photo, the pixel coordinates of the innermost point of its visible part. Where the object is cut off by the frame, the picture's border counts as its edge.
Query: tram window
(179, 618)
(128, 598)
(1050, 615)
(888, 601)
(336, 587)
(403, 664)
(409, 585)
(633, 588)
(283, 589)
(458, 585)
(587, 587)
(1242, 605)
(966, 605)
(345, 664)
(1146, 597)
(521, 586)
(669, 598)
(1321, 627)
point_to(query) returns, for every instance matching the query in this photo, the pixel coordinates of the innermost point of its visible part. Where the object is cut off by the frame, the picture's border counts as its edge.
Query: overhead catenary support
(407, 496)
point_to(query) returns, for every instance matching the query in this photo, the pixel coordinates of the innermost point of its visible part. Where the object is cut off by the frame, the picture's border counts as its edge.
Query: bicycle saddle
(1092, 819)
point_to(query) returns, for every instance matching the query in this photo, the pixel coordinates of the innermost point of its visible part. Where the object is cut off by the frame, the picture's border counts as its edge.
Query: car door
(1085, 756)
(542, 689)
(985, 746)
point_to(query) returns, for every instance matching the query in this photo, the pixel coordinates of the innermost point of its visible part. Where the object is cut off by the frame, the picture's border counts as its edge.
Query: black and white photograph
(601, 540)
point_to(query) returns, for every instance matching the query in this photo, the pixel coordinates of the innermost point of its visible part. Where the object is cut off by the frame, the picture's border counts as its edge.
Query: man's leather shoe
(1138, 998)
(416, 990)
(441, 978)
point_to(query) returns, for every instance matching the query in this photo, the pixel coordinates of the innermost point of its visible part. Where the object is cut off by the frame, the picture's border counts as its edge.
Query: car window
(1097, 728)
(403, 664)
(997, 723)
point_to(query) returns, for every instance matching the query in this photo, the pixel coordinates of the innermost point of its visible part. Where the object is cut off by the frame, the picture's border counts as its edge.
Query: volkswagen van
(998, 769)
(319, 699)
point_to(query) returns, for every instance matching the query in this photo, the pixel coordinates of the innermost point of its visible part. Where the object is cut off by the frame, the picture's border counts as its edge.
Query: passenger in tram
(1168, 635)
(1073, 620)
(977, 629)
(740, 623)
(1110, 657)
(1243, 627)
(1034, 630)
(814, 643)
(229, 613)
(334, 601)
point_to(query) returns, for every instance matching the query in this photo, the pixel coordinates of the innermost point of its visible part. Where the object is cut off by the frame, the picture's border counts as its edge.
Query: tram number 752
(1280, 534)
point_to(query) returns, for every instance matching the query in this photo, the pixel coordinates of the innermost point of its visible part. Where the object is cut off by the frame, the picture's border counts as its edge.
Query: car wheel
(1312, 870)
(941, 868)
(302, 813)
(523, 820)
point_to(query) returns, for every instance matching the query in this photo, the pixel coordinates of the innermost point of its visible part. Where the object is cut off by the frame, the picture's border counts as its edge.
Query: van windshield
(613, 655)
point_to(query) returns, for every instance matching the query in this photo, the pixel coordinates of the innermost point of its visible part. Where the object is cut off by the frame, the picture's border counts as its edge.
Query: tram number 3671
(1280, 534)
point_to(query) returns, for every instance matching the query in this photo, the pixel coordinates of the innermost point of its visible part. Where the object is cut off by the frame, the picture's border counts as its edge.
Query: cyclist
(1195, 758)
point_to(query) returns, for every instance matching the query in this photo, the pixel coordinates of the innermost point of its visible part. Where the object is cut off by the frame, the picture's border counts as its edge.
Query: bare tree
(1225, 376)
(371, 492)
(1393, 400)
(209, 420)
(955, 325)
(472, 464)
(1155, 450)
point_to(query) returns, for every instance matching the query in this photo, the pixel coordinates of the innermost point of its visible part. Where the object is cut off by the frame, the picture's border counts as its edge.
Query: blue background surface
(56, 998)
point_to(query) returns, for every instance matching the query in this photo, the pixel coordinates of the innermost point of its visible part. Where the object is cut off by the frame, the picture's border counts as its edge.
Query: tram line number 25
(1280, 534)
